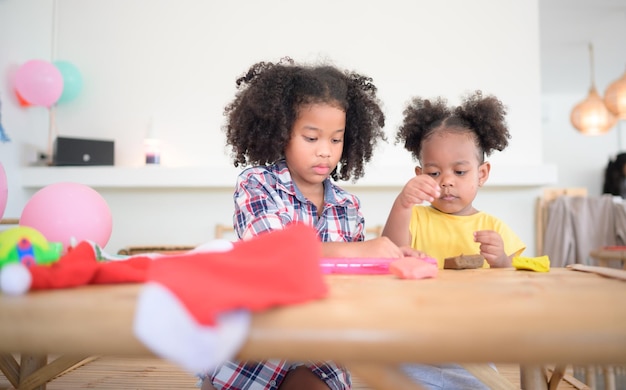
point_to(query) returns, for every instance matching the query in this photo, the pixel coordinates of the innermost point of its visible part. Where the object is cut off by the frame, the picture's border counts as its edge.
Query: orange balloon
(21, 100)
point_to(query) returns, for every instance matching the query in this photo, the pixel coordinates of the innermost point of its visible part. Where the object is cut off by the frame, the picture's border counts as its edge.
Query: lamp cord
(591, 66)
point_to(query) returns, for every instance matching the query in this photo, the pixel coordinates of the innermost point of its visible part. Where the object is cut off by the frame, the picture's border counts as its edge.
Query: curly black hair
(269, 96)
(614, 175)
(481, 115)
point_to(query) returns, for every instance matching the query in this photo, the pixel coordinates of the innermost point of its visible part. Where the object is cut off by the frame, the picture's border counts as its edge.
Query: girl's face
(316, 144)
(451, 158)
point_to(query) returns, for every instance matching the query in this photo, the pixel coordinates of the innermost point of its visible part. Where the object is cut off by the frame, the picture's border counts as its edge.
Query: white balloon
(15, 279)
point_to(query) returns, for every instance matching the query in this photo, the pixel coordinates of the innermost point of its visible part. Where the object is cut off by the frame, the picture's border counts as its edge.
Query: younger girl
(450, 144)
(301, 127)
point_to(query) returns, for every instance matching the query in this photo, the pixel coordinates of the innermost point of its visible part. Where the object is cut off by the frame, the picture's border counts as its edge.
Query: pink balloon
(63, 211)
(39, 83)
(4, 190)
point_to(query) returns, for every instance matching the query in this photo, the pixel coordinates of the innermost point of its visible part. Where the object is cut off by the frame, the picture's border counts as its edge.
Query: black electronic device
(80, 151)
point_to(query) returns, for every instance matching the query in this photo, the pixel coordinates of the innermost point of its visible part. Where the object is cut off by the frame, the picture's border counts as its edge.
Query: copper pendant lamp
(615, 97)
(591, 116)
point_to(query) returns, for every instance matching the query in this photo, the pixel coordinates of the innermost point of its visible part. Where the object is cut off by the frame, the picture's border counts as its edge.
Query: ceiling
(567, 27)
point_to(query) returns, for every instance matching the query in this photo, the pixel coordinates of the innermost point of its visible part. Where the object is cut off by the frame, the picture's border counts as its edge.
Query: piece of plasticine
(413, 268)
(464, 262)
(538, 264)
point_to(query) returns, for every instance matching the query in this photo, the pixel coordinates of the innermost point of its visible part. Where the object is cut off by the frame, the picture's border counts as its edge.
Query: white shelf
(131, 177)
(225, 176)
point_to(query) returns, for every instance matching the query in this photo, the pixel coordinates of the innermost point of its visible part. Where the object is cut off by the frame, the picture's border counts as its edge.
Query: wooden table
(371, 322)
(604, 256)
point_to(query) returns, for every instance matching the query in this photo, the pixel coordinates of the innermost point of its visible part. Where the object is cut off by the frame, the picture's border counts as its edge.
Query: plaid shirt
(267, 199)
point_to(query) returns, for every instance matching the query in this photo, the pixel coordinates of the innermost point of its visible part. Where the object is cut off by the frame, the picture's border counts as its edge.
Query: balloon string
(52, 127)
(55, 17)
(52, 132)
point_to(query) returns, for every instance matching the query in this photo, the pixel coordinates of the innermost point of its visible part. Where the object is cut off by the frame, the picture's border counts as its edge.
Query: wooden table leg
(10, 368)
(59, 366)
(590, 376)
(34, 371)
(609, 377)
(533, 377)
(28, 365)
(490, 377)
(557, 375)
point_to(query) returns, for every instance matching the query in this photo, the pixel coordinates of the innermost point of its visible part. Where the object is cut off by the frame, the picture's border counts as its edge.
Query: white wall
(581, 159)
(176, 61)
(25, 28)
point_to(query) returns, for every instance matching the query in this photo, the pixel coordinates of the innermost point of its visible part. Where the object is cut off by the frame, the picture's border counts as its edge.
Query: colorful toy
(27, 246)
(23, 247)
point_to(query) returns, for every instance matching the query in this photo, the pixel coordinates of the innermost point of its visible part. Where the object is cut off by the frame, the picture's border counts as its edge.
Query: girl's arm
(380, 247)
(417, 190)
(397, 225)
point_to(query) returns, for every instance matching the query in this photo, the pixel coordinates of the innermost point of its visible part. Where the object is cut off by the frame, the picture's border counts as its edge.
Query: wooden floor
(155, 374)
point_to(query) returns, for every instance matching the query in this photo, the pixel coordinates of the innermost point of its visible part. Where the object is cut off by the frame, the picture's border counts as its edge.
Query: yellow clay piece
(538, 264)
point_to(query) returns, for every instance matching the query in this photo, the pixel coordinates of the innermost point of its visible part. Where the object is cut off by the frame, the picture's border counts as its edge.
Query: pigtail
(486, 117)
(420, 117)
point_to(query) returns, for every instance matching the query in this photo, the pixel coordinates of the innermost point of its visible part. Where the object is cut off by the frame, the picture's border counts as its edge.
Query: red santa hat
(194, 310)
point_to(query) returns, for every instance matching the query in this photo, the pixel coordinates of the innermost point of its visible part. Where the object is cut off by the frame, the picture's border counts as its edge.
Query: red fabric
(281, 267)
(79, 267)
(132, 270)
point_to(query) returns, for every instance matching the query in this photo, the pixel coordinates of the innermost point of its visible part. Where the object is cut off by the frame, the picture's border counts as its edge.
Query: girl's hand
(408, 251)
(381, 247)
(419, 189)
(492, 248)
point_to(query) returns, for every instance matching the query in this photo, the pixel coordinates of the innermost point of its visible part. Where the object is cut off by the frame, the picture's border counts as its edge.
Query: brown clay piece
(463, 262)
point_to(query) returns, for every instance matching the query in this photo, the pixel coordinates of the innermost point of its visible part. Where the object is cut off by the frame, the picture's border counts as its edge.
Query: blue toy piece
(3, 136)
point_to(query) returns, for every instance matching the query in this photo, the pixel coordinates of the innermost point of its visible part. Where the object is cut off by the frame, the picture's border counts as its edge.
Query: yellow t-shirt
(442, 235)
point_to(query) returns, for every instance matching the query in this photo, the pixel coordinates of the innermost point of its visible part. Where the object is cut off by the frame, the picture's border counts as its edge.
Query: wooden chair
(221, 231)
(164, 249)
(604, 257)
(373, 231)
(8, 223)
(225, 231)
